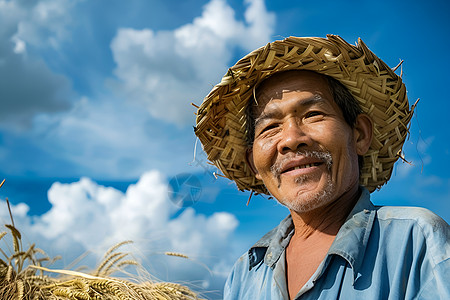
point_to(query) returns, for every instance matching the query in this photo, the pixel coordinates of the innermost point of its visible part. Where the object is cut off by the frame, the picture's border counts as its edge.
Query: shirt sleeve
(438, 286)
(437, 283)
(233, 283)
(228, 291)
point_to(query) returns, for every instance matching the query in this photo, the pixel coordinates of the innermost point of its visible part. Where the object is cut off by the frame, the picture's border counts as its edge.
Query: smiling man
(318, 124)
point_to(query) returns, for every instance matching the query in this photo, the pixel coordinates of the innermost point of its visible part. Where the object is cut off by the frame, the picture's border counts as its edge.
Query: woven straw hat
(221, 121)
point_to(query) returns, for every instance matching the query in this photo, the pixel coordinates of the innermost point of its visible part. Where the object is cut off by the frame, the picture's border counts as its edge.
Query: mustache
(324, 156)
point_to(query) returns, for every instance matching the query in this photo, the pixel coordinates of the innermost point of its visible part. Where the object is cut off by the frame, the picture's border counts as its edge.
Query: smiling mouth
(319, 158)
(304, 166)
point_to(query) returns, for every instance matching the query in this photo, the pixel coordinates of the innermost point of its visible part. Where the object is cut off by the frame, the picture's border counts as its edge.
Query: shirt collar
(350, 242)
(352, 238)
(272, 244)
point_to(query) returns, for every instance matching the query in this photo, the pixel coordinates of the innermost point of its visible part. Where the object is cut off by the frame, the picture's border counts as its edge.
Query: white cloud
(166, 70)
(46, 22)
(28, 86)
(20, 46)
(261, 25)
(106, 138)
(87, 216)
(101, 135)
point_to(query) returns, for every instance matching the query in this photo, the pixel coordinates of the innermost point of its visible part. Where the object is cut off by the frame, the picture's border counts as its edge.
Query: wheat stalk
(18, 278)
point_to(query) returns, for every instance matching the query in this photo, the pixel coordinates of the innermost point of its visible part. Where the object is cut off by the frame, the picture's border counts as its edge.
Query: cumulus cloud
(87, 216)
(28, 86)
(41, 23)
(166, 70)
(100, 134)
(106, 138)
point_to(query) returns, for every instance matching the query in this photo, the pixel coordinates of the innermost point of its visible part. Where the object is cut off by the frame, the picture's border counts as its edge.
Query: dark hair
(345, 100)
(341, 96)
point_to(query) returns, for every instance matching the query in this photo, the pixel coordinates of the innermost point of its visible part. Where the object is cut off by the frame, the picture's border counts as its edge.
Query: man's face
(303, 150)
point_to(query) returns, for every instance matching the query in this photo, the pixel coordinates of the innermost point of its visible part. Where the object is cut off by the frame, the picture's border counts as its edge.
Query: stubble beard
(305, 202)
(309, 201)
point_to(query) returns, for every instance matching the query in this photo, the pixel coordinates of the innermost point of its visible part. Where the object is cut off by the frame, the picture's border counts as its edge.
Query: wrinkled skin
(296, 112)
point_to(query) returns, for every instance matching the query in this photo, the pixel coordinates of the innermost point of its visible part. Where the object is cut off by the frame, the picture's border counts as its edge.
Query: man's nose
(293, 137)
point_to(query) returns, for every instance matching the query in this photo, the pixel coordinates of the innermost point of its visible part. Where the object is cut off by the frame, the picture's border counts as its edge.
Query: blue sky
(96, 119)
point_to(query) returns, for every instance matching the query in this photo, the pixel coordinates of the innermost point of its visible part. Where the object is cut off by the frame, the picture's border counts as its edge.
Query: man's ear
(363, 133)
(251, 163)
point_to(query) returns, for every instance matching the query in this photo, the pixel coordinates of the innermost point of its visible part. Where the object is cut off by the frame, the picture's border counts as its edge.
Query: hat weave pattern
(221, 120)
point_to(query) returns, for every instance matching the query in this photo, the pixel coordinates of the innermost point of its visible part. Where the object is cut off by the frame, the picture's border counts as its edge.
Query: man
(318, 124)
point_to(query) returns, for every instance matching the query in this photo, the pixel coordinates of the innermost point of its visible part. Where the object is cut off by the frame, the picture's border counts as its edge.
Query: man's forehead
(272, 110)
(295, 80)
(274, 87)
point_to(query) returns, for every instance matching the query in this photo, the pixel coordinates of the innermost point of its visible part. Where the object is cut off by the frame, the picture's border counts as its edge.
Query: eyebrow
(315, 99)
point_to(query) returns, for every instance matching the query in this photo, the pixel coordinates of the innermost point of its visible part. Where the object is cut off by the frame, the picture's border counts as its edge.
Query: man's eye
(313, 114)
(267, 128)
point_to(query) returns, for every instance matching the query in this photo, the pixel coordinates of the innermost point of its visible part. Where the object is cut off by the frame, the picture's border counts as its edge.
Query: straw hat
(221, 121)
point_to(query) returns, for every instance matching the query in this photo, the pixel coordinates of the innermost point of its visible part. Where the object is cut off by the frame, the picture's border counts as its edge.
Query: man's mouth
(315, 164)
(302, 160)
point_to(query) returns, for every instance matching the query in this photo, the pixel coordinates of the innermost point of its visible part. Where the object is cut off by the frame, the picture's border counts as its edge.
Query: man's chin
(307, 198)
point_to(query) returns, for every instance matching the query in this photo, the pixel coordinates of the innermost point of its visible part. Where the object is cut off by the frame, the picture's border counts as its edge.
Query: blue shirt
(378, 253)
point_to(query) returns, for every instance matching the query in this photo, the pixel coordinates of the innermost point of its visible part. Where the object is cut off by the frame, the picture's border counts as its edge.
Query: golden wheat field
(26, 274)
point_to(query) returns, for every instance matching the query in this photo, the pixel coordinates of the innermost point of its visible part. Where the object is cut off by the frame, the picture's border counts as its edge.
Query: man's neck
(314, 233)
(327, 219)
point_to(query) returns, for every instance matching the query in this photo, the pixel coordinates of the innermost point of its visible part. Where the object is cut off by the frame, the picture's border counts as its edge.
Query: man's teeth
(306, 166)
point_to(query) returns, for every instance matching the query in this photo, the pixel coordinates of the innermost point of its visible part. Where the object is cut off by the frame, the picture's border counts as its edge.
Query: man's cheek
(267, 145)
